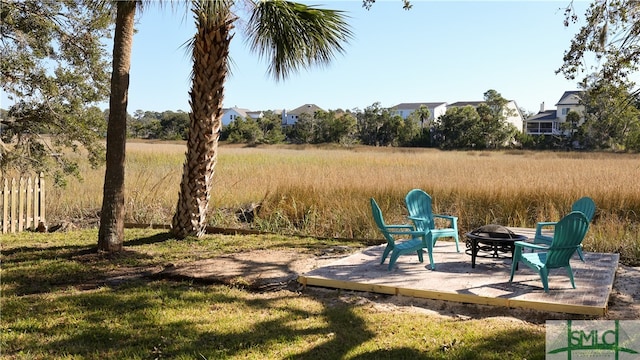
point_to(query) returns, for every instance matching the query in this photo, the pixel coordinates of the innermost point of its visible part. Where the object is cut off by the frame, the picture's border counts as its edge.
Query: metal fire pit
(491, 241)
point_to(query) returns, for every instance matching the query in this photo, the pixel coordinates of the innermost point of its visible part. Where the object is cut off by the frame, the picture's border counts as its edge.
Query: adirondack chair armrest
(453, 220)
(402, 226)
(405, 232)
(541, 225)
(445, 216)
(413, 233)
(524, 244)
(416, 218)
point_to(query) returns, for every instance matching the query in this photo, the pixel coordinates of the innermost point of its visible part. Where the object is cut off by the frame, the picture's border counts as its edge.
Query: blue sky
(439, 51)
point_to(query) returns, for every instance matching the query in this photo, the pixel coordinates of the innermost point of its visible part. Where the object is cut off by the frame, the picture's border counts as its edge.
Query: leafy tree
(290, 35)
(609, 115)
(271, 126)
(137, 125)
(573, 134)
(608, 37)
(331, 127)
(302, 132)
(459, 128)
(174, 125)
(244, 130)
(408, 131)
(421, 116)
(605, 51)
(379, 126)
(479, 128)
(632, 142)
(493, 114)
(53, 67)
(335, 127)
(391, 126)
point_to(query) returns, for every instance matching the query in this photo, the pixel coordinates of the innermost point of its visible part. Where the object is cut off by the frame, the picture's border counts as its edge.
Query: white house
(235, 112)
(512, 112)
(290, 117)
(548, 122)
(436, 109)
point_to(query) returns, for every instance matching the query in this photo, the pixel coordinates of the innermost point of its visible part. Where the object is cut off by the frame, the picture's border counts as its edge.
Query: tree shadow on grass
(150, 319)
(169, 319)
(148, 240)
(35, 270)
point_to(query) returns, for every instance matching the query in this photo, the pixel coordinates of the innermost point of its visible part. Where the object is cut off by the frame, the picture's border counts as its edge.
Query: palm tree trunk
(210, 64)
(111, 233)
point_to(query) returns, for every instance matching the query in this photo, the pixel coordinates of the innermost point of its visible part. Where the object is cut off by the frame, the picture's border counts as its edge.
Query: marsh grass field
(324, 191)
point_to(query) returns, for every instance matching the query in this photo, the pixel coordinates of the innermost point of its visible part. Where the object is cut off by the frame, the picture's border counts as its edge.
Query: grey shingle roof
(570, 98)
(547, 115)
(306, 108)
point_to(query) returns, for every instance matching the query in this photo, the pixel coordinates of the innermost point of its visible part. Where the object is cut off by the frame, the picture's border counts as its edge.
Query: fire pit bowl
(491, 241)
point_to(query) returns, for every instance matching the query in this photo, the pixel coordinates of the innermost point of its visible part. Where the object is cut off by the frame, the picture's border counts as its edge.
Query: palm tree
(111, 233)
(290, 35)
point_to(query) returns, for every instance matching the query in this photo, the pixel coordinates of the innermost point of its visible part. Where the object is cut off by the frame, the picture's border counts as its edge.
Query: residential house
(235, 112)
(549, 122)
(291, 117)
(436, 109)
(512, 112)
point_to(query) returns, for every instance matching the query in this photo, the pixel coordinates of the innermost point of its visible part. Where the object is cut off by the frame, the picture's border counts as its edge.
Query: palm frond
(294, 36)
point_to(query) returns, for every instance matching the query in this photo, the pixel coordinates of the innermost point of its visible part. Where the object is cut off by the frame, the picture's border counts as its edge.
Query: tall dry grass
(325, 191)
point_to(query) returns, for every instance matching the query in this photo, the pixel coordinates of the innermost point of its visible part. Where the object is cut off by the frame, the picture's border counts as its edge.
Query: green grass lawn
(62, 300)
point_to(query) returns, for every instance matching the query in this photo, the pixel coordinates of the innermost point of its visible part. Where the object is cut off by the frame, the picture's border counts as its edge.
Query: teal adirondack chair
(569, 233)
(585, 205)
(420, 212)
(417, 241)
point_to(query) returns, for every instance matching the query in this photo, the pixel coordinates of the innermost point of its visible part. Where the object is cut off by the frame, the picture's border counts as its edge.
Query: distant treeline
(460, 128)
(374, 125)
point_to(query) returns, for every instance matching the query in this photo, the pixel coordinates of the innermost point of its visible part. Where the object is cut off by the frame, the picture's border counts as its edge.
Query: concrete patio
(488, 283)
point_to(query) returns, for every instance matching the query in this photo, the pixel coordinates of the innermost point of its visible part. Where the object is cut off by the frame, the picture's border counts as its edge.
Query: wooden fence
(22, 204)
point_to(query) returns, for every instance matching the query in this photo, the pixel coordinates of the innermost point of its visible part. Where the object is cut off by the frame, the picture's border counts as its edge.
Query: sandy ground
(268, 270)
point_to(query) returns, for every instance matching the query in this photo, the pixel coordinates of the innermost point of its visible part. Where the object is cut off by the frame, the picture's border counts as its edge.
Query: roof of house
(241, 112)
(255, 114)
(547, 115)
(570, 98)
(466, 103)
(417, 105)
(306, 108)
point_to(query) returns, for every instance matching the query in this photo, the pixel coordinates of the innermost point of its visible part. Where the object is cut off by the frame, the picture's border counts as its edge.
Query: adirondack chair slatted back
(419, 204)
(568, 235)
(585, 205)
(377, 217)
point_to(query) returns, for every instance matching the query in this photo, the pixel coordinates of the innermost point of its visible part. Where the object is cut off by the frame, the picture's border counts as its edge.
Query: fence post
(29, 217)
(22, 191)
(5, 206)
(13, 205)
(42, 217)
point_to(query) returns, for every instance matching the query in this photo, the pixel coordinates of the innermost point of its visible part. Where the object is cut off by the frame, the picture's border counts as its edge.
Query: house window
(540, 127)
(565, 111)
(532, 127)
